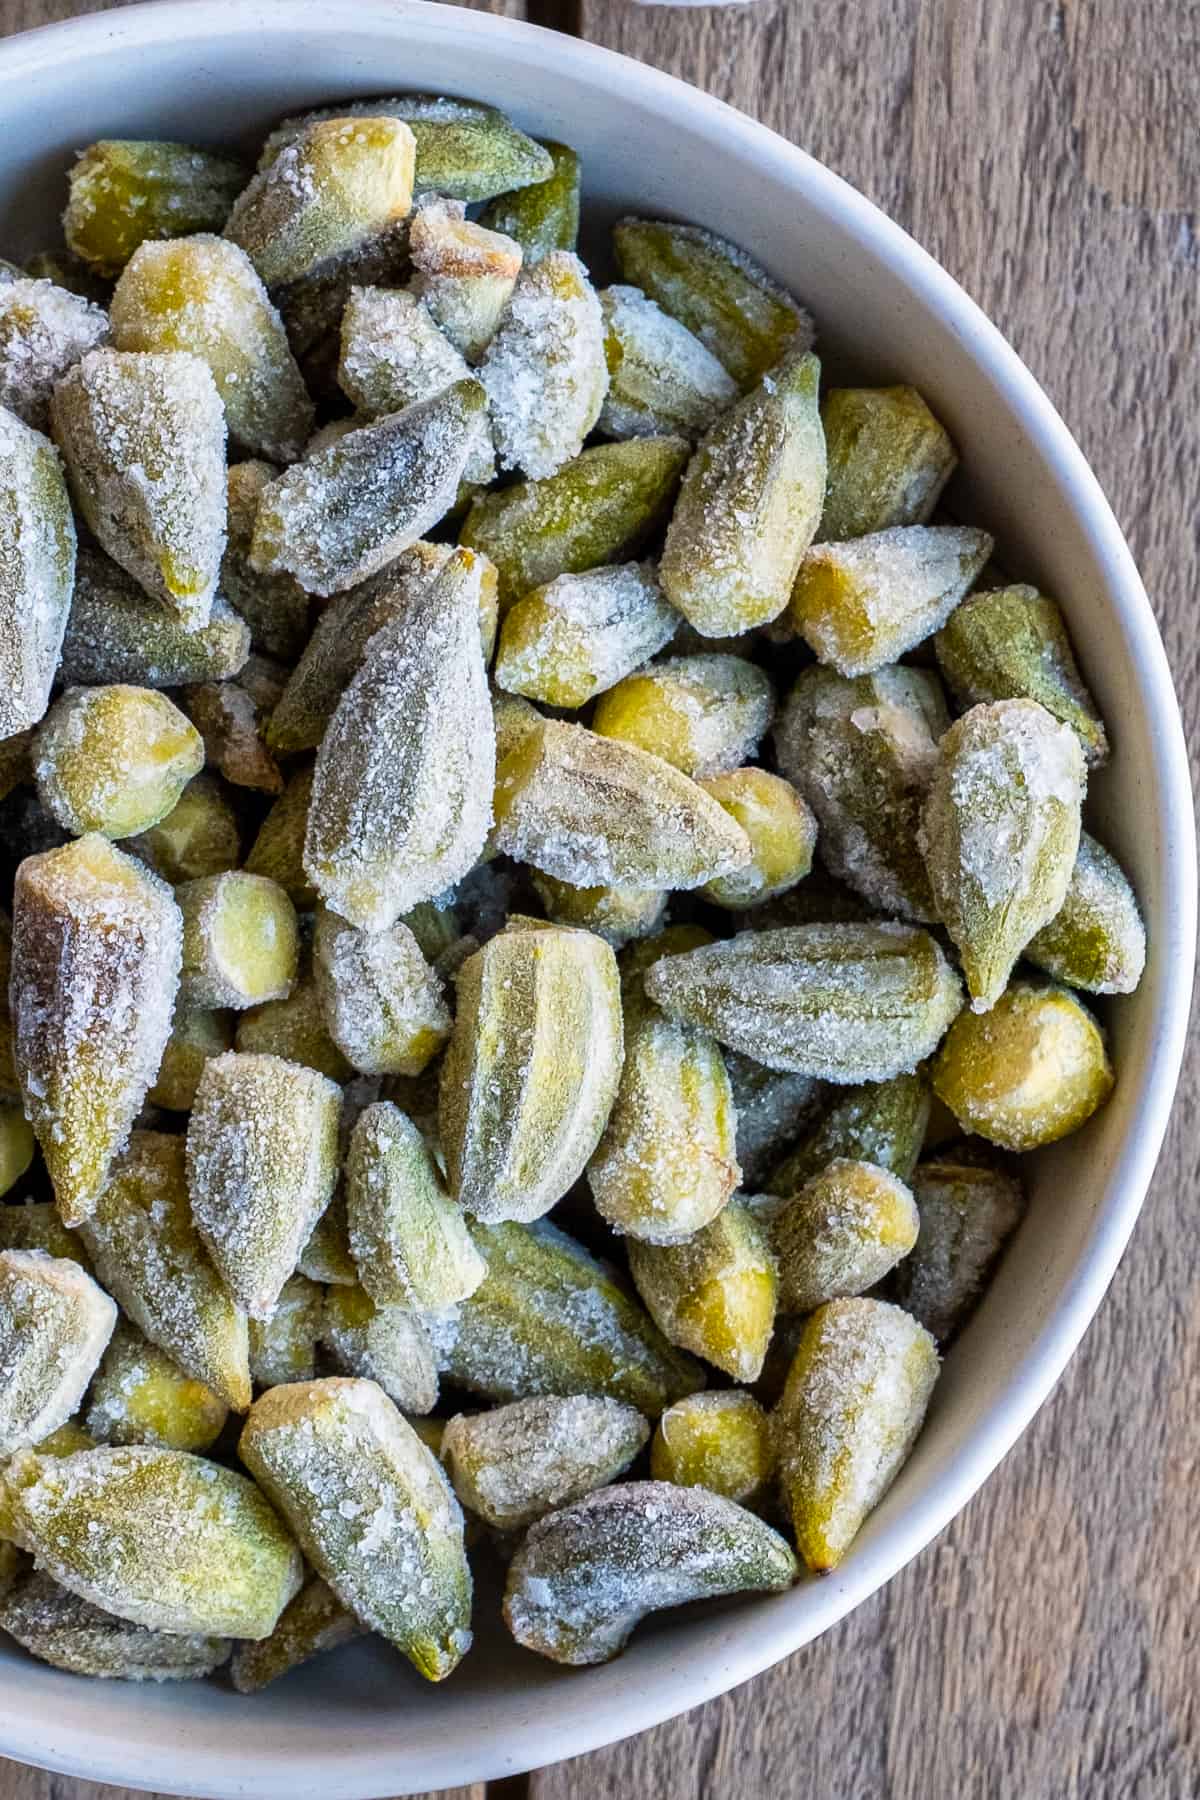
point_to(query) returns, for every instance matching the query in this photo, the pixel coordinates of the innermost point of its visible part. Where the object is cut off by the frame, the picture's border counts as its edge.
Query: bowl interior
(217, 71)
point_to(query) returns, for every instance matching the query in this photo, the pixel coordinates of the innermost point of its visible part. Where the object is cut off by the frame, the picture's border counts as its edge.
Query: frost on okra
(240, 940)
(125, 190)
(229, 714)
(54, 1324)
(159, 1537)
(96, 955)
(408, 1238)
(548, 1318)
(339, 183)
(714, 288)
(544, 371)
(372, 1510)
(774, 1107)
(71, 1634)
(544, 215)
(596, 811)
(463, 274)
(532, 1067)
(569, 640)
(749, 506)
(846, 1002)
(116, 632)
(203, 295)
(275, 607)
(843, 1232)
(283, 1346)
(198, 837)
(382, 1002)
(586, 1575)
(197, 1034)
(315, 1621)
(1000, 833)
(261, 1162)
(149, 1255)
(1096, 940)
(385, 1344)
(37, 569)
(139, 1396)
(854, 1402)
(143, 439)
(880, 1122)
(889, 460)
(782, 833)
(44, 330)
(862, 752)
(403, 786)
(350, 508)
(277, 853)
(720, 1441)
(114, 759)
(661, 378)
(294, 1028)
(516, 1463)
(715, 1293)
(968, 1210)
(703, 714)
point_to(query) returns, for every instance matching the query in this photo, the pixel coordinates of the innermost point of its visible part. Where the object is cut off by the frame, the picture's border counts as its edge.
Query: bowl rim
(683, 1682)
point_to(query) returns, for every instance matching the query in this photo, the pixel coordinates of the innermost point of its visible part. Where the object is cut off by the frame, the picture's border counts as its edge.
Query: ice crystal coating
(54, 1324)
(44, 331)
(37, 571)
(517, 1463)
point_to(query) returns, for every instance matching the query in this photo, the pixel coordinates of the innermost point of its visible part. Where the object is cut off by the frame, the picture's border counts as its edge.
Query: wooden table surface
(1044, 1648)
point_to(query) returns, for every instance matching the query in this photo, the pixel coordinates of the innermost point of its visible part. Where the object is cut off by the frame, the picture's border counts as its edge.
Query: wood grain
(1044, 1648)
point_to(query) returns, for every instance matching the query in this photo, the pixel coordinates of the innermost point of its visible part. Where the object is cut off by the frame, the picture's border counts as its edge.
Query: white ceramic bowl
(358, 1724)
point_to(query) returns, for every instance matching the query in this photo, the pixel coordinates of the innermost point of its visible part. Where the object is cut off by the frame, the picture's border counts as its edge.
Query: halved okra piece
(372, 1509)
(1012, 644)
(531, 1071)
(203, 295)
(720, 1441)
(597, 811)
(517, 1463)
(463, 274)
(198, 837)
(340, 182)
(261, 1166)
(409, 1240)
(143, 439)
(862, 751)
(1028, 1071)
(139, 1396)
(889, 460)
(348, 510)
(665, 1165)
(114, 760)
(403, 786)
(315, 1621)
(197, 1033)
(854, 1402)
(846, 1002)
(283, 1346)
(600, 508)
(1000, 832)
(842, 1233)
(880, 1122)
(544, 370)
(542, 215)
(148, 1254)
(384, 1344)
(749, 506)
(862, 604)
(54, 1324)
(465, 149)
(241, 941)
(569, 640)
(1096, 940)
(714, 1294)
(116, 633)
(718, 291)
(44, 330)
(968, 1211)
(549, 1318)
(71, 1634)
(782, 833)
(37, 571)
(97, 942)
(125, 190)
(295, 1029)
(703, 714)
(159, 1537)
(585, 1576)
(661, 378)
(382, 1002)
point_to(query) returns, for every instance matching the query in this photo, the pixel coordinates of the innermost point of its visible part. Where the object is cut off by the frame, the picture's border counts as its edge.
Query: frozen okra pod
(720, 1441)
(569, 640)
(240, 940)
(261, 1161)
(283, 1346)
(889, 460)
(714, 1294)
(782, 833)
(274, 607)
(463, 274)
(139, 1396)
(703, 714)
(96, 954)
(531, 1070)
(114, 759)
(660, 377)
(117, 633)
(71, 1634)
(586, 1575)
(197, 1033)
(315, 1621)
(843, 1232)
(543, 215)
(37, 570)
(408, 1238)
(880, 1122)
(44, 331)
(385, 1344)
(125, 190)
(968, 1210)
(294, 1028)
(382, 1002)
(54, 1324)
(1096, 940)
(198, 837)
(544, 371)
(517, 1463)
(372, 1510)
